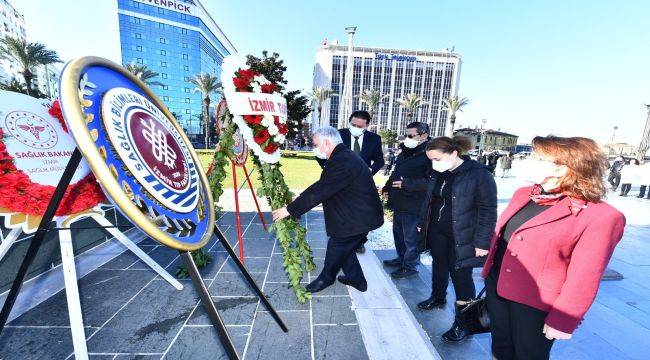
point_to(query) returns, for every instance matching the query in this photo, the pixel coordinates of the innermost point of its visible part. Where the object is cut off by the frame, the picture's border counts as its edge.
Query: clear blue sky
(555, 66)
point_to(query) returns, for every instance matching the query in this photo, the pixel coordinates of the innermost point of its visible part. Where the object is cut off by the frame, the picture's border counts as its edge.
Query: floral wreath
(18, 194)
(264, 134)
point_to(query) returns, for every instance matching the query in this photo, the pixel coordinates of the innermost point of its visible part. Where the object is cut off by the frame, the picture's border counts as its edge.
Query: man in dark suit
(351, 206)
(364, 143)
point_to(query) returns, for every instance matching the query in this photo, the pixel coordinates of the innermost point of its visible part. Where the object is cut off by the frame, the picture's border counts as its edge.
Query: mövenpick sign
(171, 5)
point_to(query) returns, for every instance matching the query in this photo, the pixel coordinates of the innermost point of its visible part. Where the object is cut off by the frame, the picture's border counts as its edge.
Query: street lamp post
(645, 139)
(481, 143)
(614, 134)
(346, 101)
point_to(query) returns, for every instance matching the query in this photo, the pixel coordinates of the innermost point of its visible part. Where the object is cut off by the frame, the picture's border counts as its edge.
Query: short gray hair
(329, 133)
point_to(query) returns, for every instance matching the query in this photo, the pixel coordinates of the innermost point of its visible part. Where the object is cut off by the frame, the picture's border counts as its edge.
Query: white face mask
(411, 143)
(319, 154)
(537, 171)
(441, 165)
(355, 131)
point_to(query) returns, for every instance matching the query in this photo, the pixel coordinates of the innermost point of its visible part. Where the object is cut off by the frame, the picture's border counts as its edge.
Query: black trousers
(340, 254)
(614, 179)
(642, 191)
(443, 250)
(516, 328)
(625, 189)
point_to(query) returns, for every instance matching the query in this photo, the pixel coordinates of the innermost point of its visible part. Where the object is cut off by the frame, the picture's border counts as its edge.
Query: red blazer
(555, 261)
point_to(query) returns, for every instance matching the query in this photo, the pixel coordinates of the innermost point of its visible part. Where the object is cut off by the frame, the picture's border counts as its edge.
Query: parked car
(522, 155)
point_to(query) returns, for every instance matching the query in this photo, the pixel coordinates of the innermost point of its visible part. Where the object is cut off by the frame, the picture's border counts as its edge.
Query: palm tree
(452, 105)
(27, 55)
(320, 95)
(206, 84)
(411, 103)
(143, 73)
(372, 98)
(13, 85)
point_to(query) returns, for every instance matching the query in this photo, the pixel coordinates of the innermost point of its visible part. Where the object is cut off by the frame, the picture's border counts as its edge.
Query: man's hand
(481, 252)
(398, 184)
(280, 214)
(552, 334)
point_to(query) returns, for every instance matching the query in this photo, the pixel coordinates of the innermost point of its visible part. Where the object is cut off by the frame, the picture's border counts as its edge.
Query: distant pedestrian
(492, 161)
(390, 162)
(644, 179)
(629, 175)
(506, 164)
(614, 178)
(550, 248)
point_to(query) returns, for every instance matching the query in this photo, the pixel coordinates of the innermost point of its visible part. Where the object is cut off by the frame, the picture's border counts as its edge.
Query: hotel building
(432, 75)
(178, 40)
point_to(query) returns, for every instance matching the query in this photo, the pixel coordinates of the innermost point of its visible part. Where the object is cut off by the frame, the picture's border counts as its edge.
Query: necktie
(357, 147)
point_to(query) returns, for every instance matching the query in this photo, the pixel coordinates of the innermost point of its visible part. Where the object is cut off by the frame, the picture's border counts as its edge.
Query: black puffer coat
(474, 211)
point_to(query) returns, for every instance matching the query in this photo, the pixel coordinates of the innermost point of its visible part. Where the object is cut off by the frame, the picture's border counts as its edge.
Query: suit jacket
(371, 151)
(554, 261)
(347, 191)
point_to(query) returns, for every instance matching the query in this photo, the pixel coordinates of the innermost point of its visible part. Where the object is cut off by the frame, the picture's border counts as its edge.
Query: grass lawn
(299, 172)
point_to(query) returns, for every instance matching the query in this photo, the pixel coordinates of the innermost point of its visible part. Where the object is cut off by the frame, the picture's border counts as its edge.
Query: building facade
(12, 23)
(177, 39)
(624, 149)
(395, 73)
(490, 140)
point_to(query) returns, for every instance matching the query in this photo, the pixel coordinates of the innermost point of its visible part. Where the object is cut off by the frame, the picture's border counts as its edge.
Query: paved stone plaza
(129, 312)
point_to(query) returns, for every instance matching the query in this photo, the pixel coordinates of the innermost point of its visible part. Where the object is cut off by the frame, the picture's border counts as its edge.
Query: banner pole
(240, 240)
(257, 204)
(249, 278)
(209, 306)
(37, 240)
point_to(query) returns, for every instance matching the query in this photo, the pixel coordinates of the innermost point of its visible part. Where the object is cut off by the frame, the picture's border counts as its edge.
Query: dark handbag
(474, 315)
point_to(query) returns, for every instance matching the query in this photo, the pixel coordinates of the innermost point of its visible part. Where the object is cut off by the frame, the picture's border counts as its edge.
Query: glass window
(184, 45)
(163, 64)
(163, 52)
(163, 75)
(163, 41)
(140, 61)
(138, 36)
(138, 48)
(165, 98)
(187, 111)
(165, 87)
(187, 100)
(187, 90)
(185, 57)
(186, 68)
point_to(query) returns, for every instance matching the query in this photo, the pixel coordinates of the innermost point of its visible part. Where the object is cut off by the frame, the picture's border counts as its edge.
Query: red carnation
(248, 75)
(271, 148)
(284, 129)
(241, 84)
(261, 137)
(55, 111)
(269, 88)
(253, 119)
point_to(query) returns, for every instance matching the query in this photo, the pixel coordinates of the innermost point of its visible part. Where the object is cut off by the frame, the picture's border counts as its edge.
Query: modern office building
(432, 75)
(178, 39)
(12, 23)
(489, 140)
(47, 80)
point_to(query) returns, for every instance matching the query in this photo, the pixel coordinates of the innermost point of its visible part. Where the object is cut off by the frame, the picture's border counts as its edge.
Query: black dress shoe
(344, 280)
(456, 334)
(361, 249)
(393, 262)
(318, 285)
(432, 303)
(403, 273)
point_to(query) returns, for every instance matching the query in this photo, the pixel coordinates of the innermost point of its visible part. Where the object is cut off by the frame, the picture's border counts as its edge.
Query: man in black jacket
(364, 143)
(412, 165)
(351, 207)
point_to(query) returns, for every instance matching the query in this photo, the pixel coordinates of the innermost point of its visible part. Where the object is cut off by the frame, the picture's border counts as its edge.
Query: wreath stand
(236, 188)
(70, 276)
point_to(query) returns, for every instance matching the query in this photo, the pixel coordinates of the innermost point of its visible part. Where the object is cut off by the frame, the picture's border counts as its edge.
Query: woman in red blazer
(550, 248)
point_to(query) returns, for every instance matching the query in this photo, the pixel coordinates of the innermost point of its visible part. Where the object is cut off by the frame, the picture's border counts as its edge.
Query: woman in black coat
(458, 219)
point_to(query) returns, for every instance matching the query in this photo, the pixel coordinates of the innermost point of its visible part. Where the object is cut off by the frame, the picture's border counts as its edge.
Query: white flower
(273, 130)
(260, 79)
(256, 87)
(232, 63)
(279, 138)
(267, 121)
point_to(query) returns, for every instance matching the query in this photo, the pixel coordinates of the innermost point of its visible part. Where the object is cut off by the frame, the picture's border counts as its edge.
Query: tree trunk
(320, 115)
(28, 76)
(452, 123)
(206, 121)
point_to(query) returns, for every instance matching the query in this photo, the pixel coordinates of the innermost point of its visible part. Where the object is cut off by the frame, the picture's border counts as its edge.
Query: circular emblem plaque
(138, 152)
